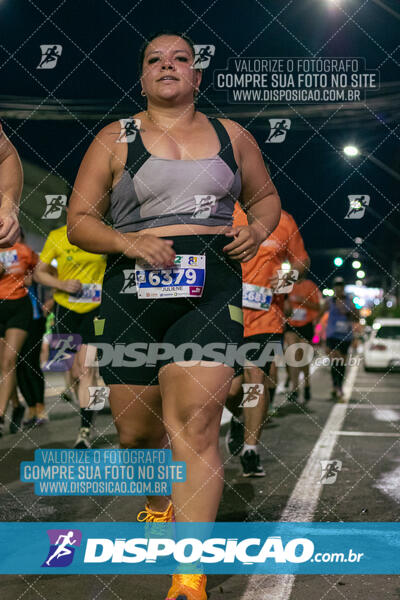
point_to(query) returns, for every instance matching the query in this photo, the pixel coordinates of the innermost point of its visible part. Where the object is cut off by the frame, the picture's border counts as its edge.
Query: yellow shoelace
(152, 516)
(192, 581)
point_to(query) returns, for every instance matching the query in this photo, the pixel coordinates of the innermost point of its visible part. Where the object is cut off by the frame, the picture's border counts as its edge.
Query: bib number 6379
(172, 277)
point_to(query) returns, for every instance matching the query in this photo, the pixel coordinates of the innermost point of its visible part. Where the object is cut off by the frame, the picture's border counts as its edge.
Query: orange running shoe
(153, 516)
(188, 587)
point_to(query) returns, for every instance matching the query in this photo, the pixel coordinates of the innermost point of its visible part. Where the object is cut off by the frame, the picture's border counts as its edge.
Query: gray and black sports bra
(154, 191)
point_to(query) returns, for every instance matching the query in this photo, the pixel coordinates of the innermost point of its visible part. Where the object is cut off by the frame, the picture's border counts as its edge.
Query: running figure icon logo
(205, 206)
(50, 55)
(63, 543)
(62, 351)
(203, 55)
(97, 397)
(279, 129)
(129, 286)
(54, 206)
(357, 206)
(129, 129)
(286, 281)
(251, 394)
(330, 470)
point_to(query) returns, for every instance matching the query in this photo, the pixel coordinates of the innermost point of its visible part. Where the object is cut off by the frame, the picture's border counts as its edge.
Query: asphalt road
(367, 489)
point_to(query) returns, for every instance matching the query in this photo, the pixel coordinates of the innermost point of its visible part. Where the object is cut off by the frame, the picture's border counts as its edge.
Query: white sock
(248, 447)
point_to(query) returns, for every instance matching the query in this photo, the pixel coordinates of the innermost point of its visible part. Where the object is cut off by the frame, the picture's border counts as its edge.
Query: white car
(382, 349)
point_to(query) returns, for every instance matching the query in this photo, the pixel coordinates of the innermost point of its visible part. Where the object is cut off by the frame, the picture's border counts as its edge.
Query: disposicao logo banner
(231, 548)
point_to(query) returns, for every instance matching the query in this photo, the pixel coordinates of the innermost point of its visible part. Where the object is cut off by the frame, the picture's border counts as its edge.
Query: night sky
(52, 115)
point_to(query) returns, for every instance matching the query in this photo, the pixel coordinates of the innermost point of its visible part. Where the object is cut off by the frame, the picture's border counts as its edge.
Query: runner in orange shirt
(263, 325)
(15, 316)
(305, 304)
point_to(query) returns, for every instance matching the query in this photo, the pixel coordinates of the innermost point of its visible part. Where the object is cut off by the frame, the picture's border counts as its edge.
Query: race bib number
(299, 314)
(9, 258)
(90, 292)
(343, 326)
(185, 279)
(256, 297)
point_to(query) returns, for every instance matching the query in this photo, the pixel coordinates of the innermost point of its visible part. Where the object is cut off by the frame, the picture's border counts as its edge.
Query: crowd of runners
(198, 251)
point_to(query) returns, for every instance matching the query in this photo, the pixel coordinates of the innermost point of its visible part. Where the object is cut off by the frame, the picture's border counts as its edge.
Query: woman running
(170, 177)
(16, 262)
(339, 334)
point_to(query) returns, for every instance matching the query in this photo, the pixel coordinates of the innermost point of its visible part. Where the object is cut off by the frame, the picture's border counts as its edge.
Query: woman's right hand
(156, 251)
(71, 286)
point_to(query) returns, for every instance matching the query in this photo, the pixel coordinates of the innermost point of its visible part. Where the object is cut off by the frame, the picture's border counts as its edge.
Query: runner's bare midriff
(171, 230)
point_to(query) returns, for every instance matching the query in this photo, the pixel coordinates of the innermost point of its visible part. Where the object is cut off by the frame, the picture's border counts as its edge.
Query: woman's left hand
(9, 228)
(246, 243)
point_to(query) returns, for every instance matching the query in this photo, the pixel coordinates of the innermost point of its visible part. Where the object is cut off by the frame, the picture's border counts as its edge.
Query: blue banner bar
(231, 548)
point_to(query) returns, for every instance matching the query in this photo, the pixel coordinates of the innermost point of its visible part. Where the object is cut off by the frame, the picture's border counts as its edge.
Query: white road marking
(354, 405)
(364, 433)
(54, 390)
(389, 484)
(304, 499)
(384, 390)
(386, 414)
(349, 382)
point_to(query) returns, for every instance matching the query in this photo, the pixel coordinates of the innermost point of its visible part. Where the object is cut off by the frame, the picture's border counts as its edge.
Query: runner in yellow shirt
(77, 281)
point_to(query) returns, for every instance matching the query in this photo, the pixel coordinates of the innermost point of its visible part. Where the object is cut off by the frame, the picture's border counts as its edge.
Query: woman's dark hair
(153, 36)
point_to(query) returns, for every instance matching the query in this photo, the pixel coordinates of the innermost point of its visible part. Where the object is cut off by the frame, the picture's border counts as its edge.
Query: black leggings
(29, 374)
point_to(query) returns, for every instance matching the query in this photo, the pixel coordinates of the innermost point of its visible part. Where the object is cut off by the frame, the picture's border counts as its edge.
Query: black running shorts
(186, 327)
(15, 314)
(70, 321)
(341, 346)
(266, 346)
(304, 331)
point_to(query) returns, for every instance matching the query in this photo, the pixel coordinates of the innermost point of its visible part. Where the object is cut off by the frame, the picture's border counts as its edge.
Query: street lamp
(360, 274)
(338, 261)
(351, 150)
(356, 264)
